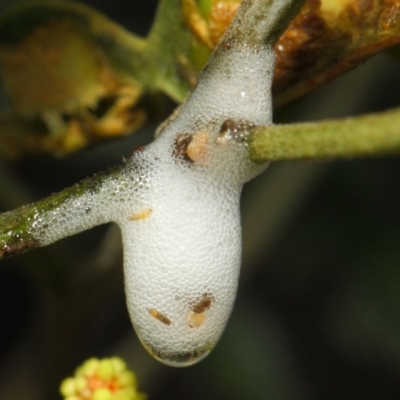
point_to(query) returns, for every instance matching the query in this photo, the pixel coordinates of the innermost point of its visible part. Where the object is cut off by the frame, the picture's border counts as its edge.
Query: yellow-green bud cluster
(106, 379)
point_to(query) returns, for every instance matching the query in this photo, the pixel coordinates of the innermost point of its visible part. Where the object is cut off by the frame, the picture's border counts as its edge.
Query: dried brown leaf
(330, 37)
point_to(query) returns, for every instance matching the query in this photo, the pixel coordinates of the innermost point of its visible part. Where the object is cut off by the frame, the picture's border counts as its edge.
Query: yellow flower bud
(105, 369)
(80, 383)
(102, 394)
(106, 379)
(127, 378)
(67, 387)
(118, 365)
(89, 367)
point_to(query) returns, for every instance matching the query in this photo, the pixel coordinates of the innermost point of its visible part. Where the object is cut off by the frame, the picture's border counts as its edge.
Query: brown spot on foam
(198, 314)
(197, 148)
(203, 304)
(196, 320)
(159, 316)
(237, 130)
(192, 148)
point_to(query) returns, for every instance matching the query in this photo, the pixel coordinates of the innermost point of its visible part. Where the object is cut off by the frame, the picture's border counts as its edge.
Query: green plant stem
(262, 22)
(364, 136)
(17, 227)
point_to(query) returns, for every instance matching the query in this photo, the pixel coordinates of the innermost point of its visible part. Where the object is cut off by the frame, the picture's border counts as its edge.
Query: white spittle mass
(182, 260)
(177, 203)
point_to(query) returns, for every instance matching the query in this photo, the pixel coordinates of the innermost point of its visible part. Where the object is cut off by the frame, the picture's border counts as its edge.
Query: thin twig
(368, 135)
(18, 228)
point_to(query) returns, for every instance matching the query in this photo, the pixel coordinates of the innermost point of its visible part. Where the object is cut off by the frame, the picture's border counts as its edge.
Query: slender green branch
(262, 21)
(368, 135)
(24, 229)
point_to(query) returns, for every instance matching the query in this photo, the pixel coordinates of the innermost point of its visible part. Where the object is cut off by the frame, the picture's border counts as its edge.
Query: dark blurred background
(317, 313)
